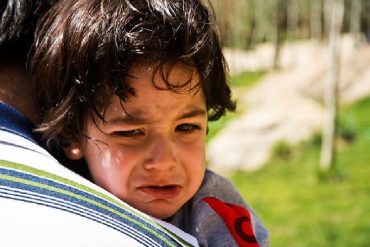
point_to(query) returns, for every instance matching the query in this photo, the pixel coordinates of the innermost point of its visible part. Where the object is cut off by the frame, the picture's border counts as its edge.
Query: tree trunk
(223, 8)
(279, 11)
(316, 19)
(327, 5)
(355, 22)
(261, 27)
(329, 129)
(293, 17)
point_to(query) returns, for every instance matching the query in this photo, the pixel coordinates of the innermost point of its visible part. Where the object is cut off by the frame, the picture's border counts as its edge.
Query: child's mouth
(161, 192)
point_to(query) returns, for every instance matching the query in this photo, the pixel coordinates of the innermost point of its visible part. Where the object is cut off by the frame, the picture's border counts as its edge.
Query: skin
(151, 154)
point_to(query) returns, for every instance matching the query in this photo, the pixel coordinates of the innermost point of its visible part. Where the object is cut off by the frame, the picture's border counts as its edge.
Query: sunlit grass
(247, 78)
(216, 126)
(299, 208)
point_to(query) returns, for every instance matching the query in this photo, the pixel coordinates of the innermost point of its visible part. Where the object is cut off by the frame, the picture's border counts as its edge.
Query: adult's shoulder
(44, 204)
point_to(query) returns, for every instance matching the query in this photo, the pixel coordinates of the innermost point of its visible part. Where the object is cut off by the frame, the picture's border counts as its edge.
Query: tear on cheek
(107, 161)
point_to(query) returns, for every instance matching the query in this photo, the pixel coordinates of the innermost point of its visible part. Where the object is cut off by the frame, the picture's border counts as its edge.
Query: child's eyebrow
(193, 112)
(137, 118)
(134, 118)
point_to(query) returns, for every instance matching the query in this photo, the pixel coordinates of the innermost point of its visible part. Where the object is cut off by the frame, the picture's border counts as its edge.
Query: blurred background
(298, 146)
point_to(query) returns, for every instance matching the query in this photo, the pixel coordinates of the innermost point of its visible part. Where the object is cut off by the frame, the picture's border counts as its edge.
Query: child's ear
(74, 151)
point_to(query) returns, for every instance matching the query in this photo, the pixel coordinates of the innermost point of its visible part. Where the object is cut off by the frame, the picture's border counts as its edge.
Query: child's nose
(162, 155)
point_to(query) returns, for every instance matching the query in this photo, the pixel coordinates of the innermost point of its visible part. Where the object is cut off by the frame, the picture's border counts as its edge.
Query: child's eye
(129, 133)
(187, 127)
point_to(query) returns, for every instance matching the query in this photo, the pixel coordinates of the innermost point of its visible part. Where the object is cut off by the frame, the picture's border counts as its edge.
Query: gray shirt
(217, 215)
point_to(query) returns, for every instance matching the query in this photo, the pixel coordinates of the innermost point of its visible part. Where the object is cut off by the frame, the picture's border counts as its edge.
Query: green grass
(216, 126)
(247, 78)
(299, 208)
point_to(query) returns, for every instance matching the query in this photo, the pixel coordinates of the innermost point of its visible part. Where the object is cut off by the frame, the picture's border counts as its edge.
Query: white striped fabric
(44, 204)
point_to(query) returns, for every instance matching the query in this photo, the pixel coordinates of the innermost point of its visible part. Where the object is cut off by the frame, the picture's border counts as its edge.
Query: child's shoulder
(218, 209)
(214, 185)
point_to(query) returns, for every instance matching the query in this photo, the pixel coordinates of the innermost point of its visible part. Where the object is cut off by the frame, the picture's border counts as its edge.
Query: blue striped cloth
(44, 204)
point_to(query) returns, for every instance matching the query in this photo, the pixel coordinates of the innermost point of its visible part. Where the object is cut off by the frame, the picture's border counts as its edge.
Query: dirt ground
(286, 104)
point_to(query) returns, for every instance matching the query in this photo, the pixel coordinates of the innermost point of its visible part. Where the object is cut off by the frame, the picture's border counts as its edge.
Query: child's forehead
(151, 105)
(152, 94)
(172, 75)
(143, 65)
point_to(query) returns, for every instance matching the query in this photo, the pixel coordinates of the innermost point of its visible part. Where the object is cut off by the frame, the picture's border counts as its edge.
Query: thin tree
(315, 19)
(293, 12)
(327, 161)
(261, 20)
(279, 19)
(355, 21)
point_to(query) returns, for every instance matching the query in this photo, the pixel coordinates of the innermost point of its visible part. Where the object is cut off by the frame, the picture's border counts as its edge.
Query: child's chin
(163, 214)
(160, 211)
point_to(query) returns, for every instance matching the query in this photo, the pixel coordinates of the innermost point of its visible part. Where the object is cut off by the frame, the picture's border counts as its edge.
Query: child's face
(151, 154)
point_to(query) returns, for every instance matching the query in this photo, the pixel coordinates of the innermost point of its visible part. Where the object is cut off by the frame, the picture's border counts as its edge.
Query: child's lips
(161, 192)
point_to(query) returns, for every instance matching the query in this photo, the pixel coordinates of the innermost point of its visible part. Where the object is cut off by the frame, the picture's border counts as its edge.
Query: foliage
(346, 130)
(303, 209)
(282, 150)
(315, 140)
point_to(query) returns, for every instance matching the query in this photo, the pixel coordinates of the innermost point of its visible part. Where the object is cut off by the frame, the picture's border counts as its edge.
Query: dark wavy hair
(84, 49)
(18, 19)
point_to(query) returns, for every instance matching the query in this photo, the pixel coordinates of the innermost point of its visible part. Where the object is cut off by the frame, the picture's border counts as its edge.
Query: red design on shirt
(237, 220)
